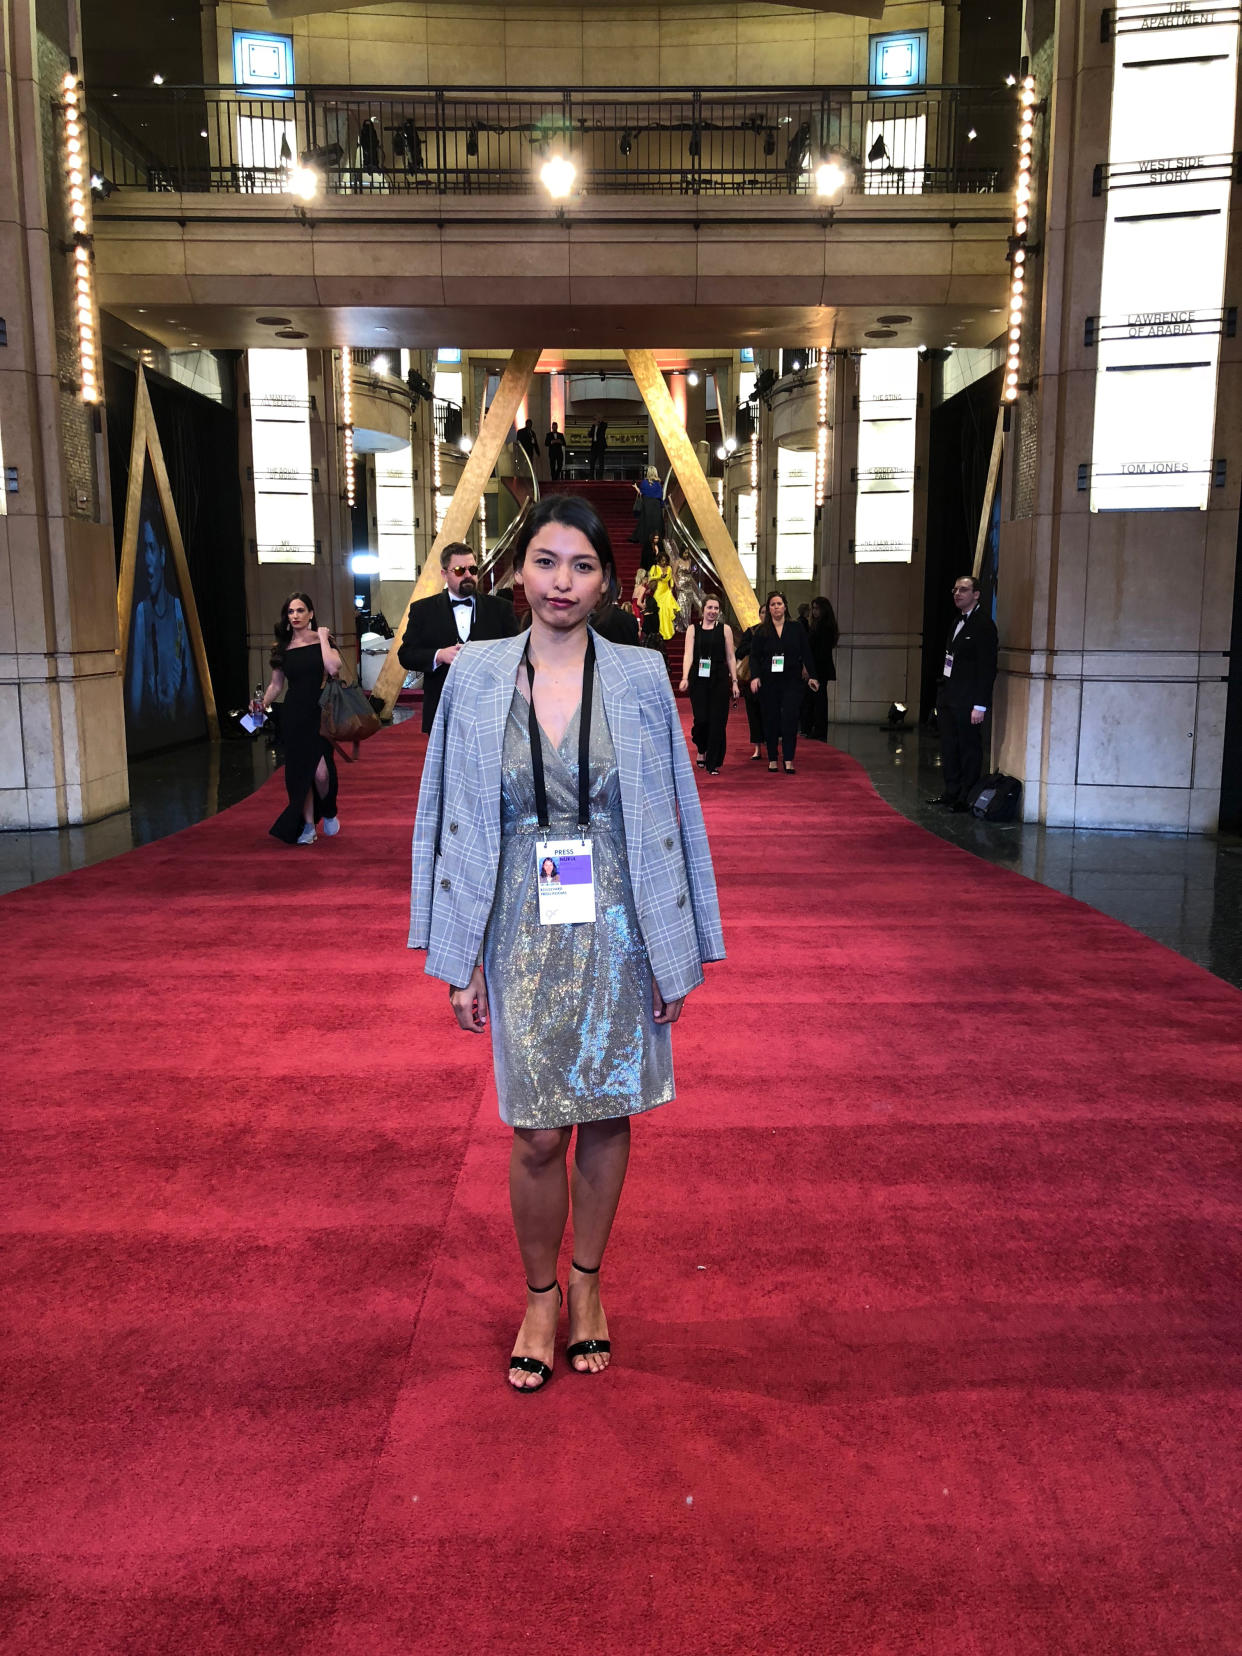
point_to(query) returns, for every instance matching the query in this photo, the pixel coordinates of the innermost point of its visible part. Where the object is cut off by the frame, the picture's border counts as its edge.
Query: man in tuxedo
(436, 628)
(965, 695)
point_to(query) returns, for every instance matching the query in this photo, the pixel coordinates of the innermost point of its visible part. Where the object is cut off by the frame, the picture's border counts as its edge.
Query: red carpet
(924, 1294)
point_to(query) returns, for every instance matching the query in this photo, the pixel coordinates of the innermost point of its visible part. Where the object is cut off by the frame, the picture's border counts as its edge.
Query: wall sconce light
(830, 177)
(627, 142)
(472, 141)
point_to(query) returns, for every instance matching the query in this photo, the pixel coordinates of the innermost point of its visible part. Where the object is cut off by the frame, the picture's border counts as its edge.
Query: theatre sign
(1162, 302)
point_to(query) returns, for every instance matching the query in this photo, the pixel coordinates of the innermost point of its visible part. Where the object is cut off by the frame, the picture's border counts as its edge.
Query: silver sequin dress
(573, 1038)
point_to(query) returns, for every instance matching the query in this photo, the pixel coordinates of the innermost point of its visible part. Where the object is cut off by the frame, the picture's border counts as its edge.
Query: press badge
(565, 874)
(948, 664)
(705, 666)
(778, 664)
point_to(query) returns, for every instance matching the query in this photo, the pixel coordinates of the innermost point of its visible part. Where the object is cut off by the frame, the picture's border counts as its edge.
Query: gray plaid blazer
(457, 829)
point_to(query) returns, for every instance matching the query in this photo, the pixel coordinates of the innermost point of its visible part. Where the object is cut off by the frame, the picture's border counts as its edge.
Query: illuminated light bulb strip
(754, 480)
(437, 519)
(77, 178)
(1021, 223)
(483, 525)
(821, 433)
(347, 421)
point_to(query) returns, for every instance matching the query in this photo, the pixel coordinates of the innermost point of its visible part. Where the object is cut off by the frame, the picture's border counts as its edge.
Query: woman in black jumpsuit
(780, 658)
(708, 671)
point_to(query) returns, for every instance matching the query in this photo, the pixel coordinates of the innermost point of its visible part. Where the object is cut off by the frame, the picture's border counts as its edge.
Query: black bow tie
(457, 602)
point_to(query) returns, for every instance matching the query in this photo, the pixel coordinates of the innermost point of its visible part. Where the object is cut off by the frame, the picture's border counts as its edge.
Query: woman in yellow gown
(660, 580)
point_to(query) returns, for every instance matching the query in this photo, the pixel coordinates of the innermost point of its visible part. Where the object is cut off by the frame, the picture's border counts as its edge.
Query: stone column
(62, 723)
(1114, 626)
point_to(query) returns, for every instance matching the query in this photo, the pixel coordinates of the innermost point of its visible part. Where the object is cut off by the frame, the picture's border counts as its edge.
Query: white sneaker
(307, 836)
(330, 825)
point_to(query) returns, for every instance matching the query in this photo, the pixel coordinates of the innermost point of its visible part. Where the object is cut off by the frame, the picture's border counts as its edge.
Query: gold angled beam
(464, 506)
(695, 487)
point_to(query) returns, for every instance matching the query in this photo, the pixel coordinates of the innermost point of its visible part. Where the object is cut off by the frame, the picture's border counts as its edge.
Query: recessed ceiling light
(881, 333)
(289, 333)
(274, 321)
(892, 319)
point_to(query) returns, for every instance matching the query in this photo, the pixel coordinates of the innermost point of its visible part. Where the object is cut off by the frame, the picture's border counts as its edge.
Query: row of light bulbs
(558, 176)
(1021, 223)
(347, 420)
(83, 271)
(821, 432)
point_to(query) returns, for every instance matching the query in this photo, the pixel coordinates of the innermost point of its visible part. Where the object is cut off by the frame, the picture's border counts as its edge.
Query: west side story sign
(1174, 89)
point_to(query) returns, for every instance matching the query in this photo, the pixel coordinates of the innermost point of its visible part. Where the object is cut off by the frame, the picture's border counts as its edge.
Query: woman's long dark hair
(826, 621)
(283, 630)
(574, 513)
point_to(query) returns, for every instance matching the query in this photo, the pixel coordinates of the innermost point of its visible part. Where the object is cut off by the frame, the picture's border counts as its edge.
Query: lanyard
(584, 741)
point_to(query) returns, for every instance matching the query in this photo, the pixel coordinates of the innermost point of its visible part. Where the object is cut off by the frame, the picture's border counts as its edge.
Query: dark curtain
(959, 448)
(199, 441)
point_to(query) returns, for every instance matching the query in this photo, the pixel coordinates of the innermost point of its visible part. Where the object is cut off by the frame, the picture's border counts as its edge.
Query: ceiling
(675, 332)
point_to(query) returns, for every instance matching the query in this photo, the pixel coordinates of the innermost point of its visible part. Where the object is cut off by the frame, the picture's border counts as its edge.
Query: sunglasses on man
(464, 569)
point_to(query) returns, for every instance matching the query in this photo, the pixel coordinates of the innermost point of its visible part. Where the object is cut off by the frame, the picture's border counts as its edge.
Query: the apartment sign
(1162, 314)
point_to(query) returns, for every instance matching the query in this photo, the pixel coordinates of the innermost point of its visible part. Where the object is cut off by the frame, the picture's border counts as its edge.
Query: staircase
(615, 504)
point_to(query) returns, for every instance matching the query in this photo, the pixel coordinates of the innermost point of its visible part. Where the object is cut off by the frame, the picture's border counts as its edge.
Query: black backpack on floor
(996, 798)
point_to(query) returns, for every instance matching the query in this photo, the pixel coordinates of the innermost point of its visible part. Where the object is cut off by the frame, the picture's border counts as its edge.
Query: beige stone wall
(719, 43)
(1114, 626)
(62, 731)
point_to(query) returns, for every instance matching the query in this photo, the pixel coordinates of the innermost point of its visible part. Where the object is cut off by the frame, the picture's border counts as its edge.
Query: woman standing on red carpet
(559, 747)
(301, 655)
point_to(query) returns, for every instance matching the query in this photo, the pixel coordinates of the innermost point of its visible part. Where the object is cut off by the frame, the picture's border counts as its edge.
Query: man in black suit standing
(436, 628)
(598, 439)
(965, 695)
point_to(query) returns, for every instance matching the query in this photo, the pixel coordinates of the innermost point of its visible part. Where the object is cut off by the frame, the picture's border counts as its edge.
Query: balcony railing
(408, 141)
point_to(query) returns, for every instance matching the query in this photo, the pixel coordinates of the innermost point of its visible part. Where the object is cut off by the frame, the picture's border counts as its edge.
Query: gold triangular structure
(695, 487)
(493, 434)
(146, 441)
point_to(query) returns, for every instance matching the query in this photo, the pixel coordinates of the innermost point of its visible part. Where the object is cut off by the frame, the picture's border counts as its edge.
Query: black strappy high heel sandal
(532, 1365)
(585, 1348)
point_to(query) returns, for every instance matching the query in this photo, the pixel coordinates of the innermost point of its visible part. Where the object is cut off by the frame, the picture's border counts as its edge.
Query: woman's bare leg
(601, 1156)
(308, 809)
(539, 1197)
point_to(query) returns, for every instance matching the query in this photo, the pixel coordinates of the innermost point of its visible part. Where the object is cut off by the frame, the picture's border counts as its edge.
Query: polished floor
(1184, 891)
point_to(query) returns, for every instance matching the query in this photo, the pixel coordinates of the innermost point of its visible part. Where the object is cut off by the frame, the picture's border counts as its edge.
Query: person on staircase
(554, 443)
(709, 672)
(780, 659)
(648, 509)
(529, 442)
(660, 582)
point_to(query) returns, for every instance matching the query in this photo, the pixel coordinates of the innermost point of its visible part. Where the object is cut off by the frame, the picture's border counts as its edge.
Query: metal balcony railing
(411, 141)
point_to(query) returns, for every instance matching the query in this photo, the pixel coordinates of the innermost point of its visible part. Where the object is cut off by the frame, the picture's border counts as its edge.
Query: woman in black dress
(824, 633)
(301, 655)
(709, 672)
(780, 658)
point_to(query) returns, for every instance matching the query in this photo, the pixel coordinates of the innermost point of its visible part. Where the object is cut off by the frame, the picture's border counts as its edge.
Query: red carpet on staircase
(923, 1296)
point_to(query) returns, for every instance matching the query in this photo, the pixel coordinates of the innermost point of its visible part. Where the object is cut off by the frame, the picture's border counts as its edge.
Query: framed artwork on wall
(167, 685)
